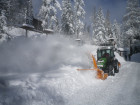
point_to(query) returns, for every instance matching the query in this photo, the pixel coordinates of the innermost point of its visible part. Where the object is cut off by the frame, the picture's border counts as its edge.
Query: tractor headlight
(100, 65)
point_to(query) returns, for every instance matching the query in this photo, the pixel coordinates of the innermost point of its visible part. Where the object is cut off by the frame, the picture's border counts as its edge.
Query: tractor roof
(105, 47)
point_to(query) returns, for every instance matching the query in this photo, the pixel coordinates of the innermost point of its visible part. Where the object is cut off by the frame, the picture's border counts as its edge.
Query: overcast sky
(116, 7)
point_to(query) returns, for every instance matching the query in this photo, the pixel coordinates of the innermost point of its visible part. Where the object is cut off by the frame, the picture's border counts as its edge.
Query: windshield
(104, 53)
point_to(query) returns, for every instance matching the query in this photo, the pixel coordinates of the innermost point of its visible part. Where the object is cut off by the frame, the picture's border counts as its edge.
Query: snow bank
(15, 32)
(120, 59)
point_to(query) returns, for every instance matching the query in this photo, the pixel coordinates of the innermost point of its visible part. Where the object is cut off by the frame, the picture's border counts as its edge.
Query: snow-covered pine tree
(57, 26)
(48, 13)
(116, 33)
(44, 13)
(29, 13)
(131, 21)
(79, 14)
(94, 23)
(86, 35)
(67, 18)
(54, 19)
(20, 17)
(3, 24)
(99, 29)
(3, 5)
(93, 18)
(108, 26)
(13, 9)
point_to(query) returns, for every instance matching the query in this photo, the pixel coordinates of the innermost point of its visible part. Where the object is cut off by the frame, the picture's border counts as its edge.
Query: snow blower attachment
(100, 74)
(106, 63)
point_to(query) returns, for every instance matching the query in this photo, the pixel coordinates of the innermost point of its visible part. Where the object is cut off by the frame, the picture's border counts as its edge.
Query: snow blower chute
(106, 63)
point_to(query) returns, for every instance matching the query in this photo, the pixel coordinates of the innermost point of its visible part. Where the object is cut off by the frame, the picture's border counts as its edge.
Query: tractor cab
(105, 52)
(106, 59)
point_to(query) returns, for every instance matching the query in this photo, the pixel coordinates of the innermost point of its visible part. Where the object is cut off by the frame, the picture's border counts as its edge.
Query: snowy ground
(44, 73)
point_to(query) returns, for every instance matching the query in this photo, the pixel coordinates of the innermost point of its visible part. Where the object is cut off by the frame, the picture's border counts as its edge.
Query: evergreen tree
(44, 13)
(54, 19)
(131, 21)
(16, 10)
(48, 13)
(67, 18)
(12, 12)
(3, 5)
(29, 13)
(57, 26)
(99, 29)
(79, 16)
(86, 36)
(3, 24)
(94, 22)
(108, 25)
(116, 33)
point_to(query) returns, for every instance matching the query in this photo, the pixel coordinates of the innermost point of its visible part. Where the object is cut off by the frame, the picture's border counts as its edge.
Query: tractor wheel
(116, 68)
(111, 70)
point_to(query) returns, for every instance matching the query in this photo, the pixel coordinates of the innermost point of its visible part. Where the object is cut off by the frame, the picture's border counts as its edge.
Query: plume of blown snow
(51, 53)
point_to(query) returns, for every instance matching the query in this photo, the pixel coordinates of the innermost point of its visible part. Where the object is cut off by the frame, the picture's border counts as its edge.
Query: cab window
(103, 52)
(108, 51)
(99, 54)
(112, 53)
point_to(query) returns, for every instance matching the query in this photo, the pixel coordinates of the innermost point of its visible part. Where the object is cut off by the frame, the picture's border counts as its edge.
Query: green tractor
(106, 61)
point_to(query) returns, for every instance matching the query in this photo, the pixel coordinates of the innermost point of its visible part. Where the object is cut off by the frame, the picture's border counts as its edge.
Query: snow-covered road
(123, 89)
(63, 84)
(73, 88)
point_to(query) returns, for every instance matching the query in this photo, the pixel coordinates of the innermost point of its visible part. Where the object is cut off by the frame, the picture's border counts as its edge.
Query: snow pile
(15, 32)
(120, 59)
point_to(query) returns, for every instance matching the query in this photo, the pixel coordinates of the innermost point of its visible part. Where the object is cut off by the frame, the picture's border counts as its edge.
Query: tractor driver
(106, 55)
